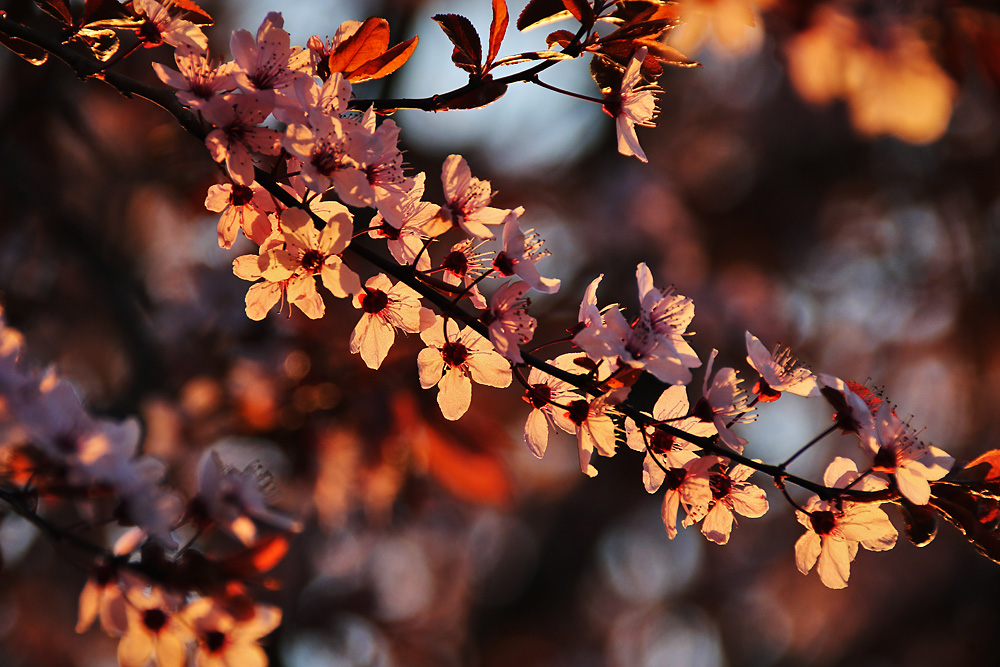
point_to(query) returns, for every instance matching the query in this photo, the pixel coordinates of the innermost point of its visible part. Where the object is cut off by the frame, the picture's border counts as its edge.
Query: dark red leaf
(57, 9)
(468, 53)
(560, 37)
(582, 11)
(498, 28)
(480, 96)
(33, 54)
(194, 13)
(539, 12)
(976, 517)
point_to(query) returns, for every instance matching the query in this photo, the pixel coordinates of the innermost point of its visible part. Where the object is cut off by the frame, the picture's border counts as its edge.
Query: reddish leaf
(540, 12)
(920, 523)
(668, 54)
(582, 11)
(195, 14)
(498, 28)
(103, 42)
(976, 517)
(983, 469)
(255, 560)
(468, 53)
(368, 42)
(385, 64)
(479, 96)
(57, 9)
(560, 37)
(33, 54)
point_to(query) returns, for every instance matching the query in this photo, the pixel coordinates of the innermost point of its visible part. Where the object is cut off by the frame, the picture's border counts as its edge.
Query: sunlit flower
(632, 104)
(731, 494)
(242, 207)
(198, 79)
(262, 64)
(223, 640)
(401, 222)
(237, 133)
(508, 321)
(547, 396)
(468, 201)
(779, 371)
(453, 358)
(102, 597)
(723, 403)
(463, 266)
(160, 27)
(520, 253)
(688, 487)
(595, 430)
(836, 529)
(899, 452)
(153, 629)
(665, 450)
(386, 307)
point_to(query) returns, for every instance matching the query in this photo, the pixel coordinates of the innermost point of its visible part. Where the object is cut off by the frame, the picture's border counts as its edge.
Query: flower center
(455, 354)
(538, 395)
(721, 486)
(823, 522)
(504, 263)
(214, 641)
(241, 195)
(312, 260)
(703, 410)
(374, 301)
(154, 619)
(579, 410)
(455, 262)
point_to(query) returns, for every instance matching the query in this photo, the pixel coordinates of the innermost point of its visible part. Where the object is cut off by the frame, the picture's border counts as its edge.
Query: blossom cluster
(54, 451)
(333, 160)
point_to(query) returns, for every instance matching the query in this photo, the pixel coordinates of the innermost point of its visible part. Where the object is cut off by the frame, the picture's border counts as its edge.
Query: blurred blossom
(351, 641)
(685, 636)
(729, 27)
(401, 576)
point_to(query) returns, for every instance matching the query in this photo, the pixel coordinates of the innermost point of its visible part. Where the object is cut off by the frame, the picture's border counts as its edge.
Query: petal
(454, 394)
(807, 550)
(135, 648)
(261, 297)
(834, 563)
(536, 433)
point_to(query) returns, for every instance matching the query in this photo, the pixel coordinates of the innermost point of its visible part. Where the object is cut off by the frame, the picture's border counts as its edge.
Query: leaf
(582, 11)
(367, 43)
(478, 97)
(498, 28)
(530, 56)
(560, 37)
(385, 64)
(259, 558)
(920, 523)
(57, 9)
(983, 469)
(35, 55)
(540, 12)
(974, 516)
(668, 54)
(468, 53)
(195, 14)
(103, 42)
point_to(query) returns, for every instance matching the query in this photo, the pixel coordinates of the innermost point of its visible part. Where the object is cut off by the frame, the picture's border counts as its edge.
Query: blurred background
(827, 180)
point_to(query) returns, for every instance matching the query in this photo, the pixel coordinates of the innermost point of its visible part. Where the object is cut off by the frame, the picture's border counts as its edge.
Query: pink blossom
(237, 133)
(453, 358)
(242, 207)
(225, 640)
(197, 80)
(899, 452)
(464, 266)
(779, 372)
(547, 397)
(468, 201)
(402, 223)
(386, 307)
(160, 27)
(520, 253)
(688, 487)
(332, 152)
(508, 321)
(632, 104)
(731, 494)
(723, 403)
(834, 530)
(153, 628)
(263, 65)
(595, 430)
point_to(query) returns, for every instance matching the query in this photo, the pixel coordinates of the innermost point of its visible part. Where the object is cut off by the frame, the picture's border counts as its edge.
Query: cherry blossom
(779, 372)
(899, 452)
(688, 487)
(548, 397)
(242, 207)
(160, 27)
(836, 529)
(262, 65)
(595, 430)
(223, 640)
(306, 253)
(102, 597)
(453, 358)
(468, 201)
(731, 494)
(508, 321)
(665, 450)
(520, 253)
(154, 628)
(197, 80)
(332, 153)
(632, 104)
(402, 225)
(232, 499)
(464, 266)
(723, 403)
(237, 133)
(386, 307)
